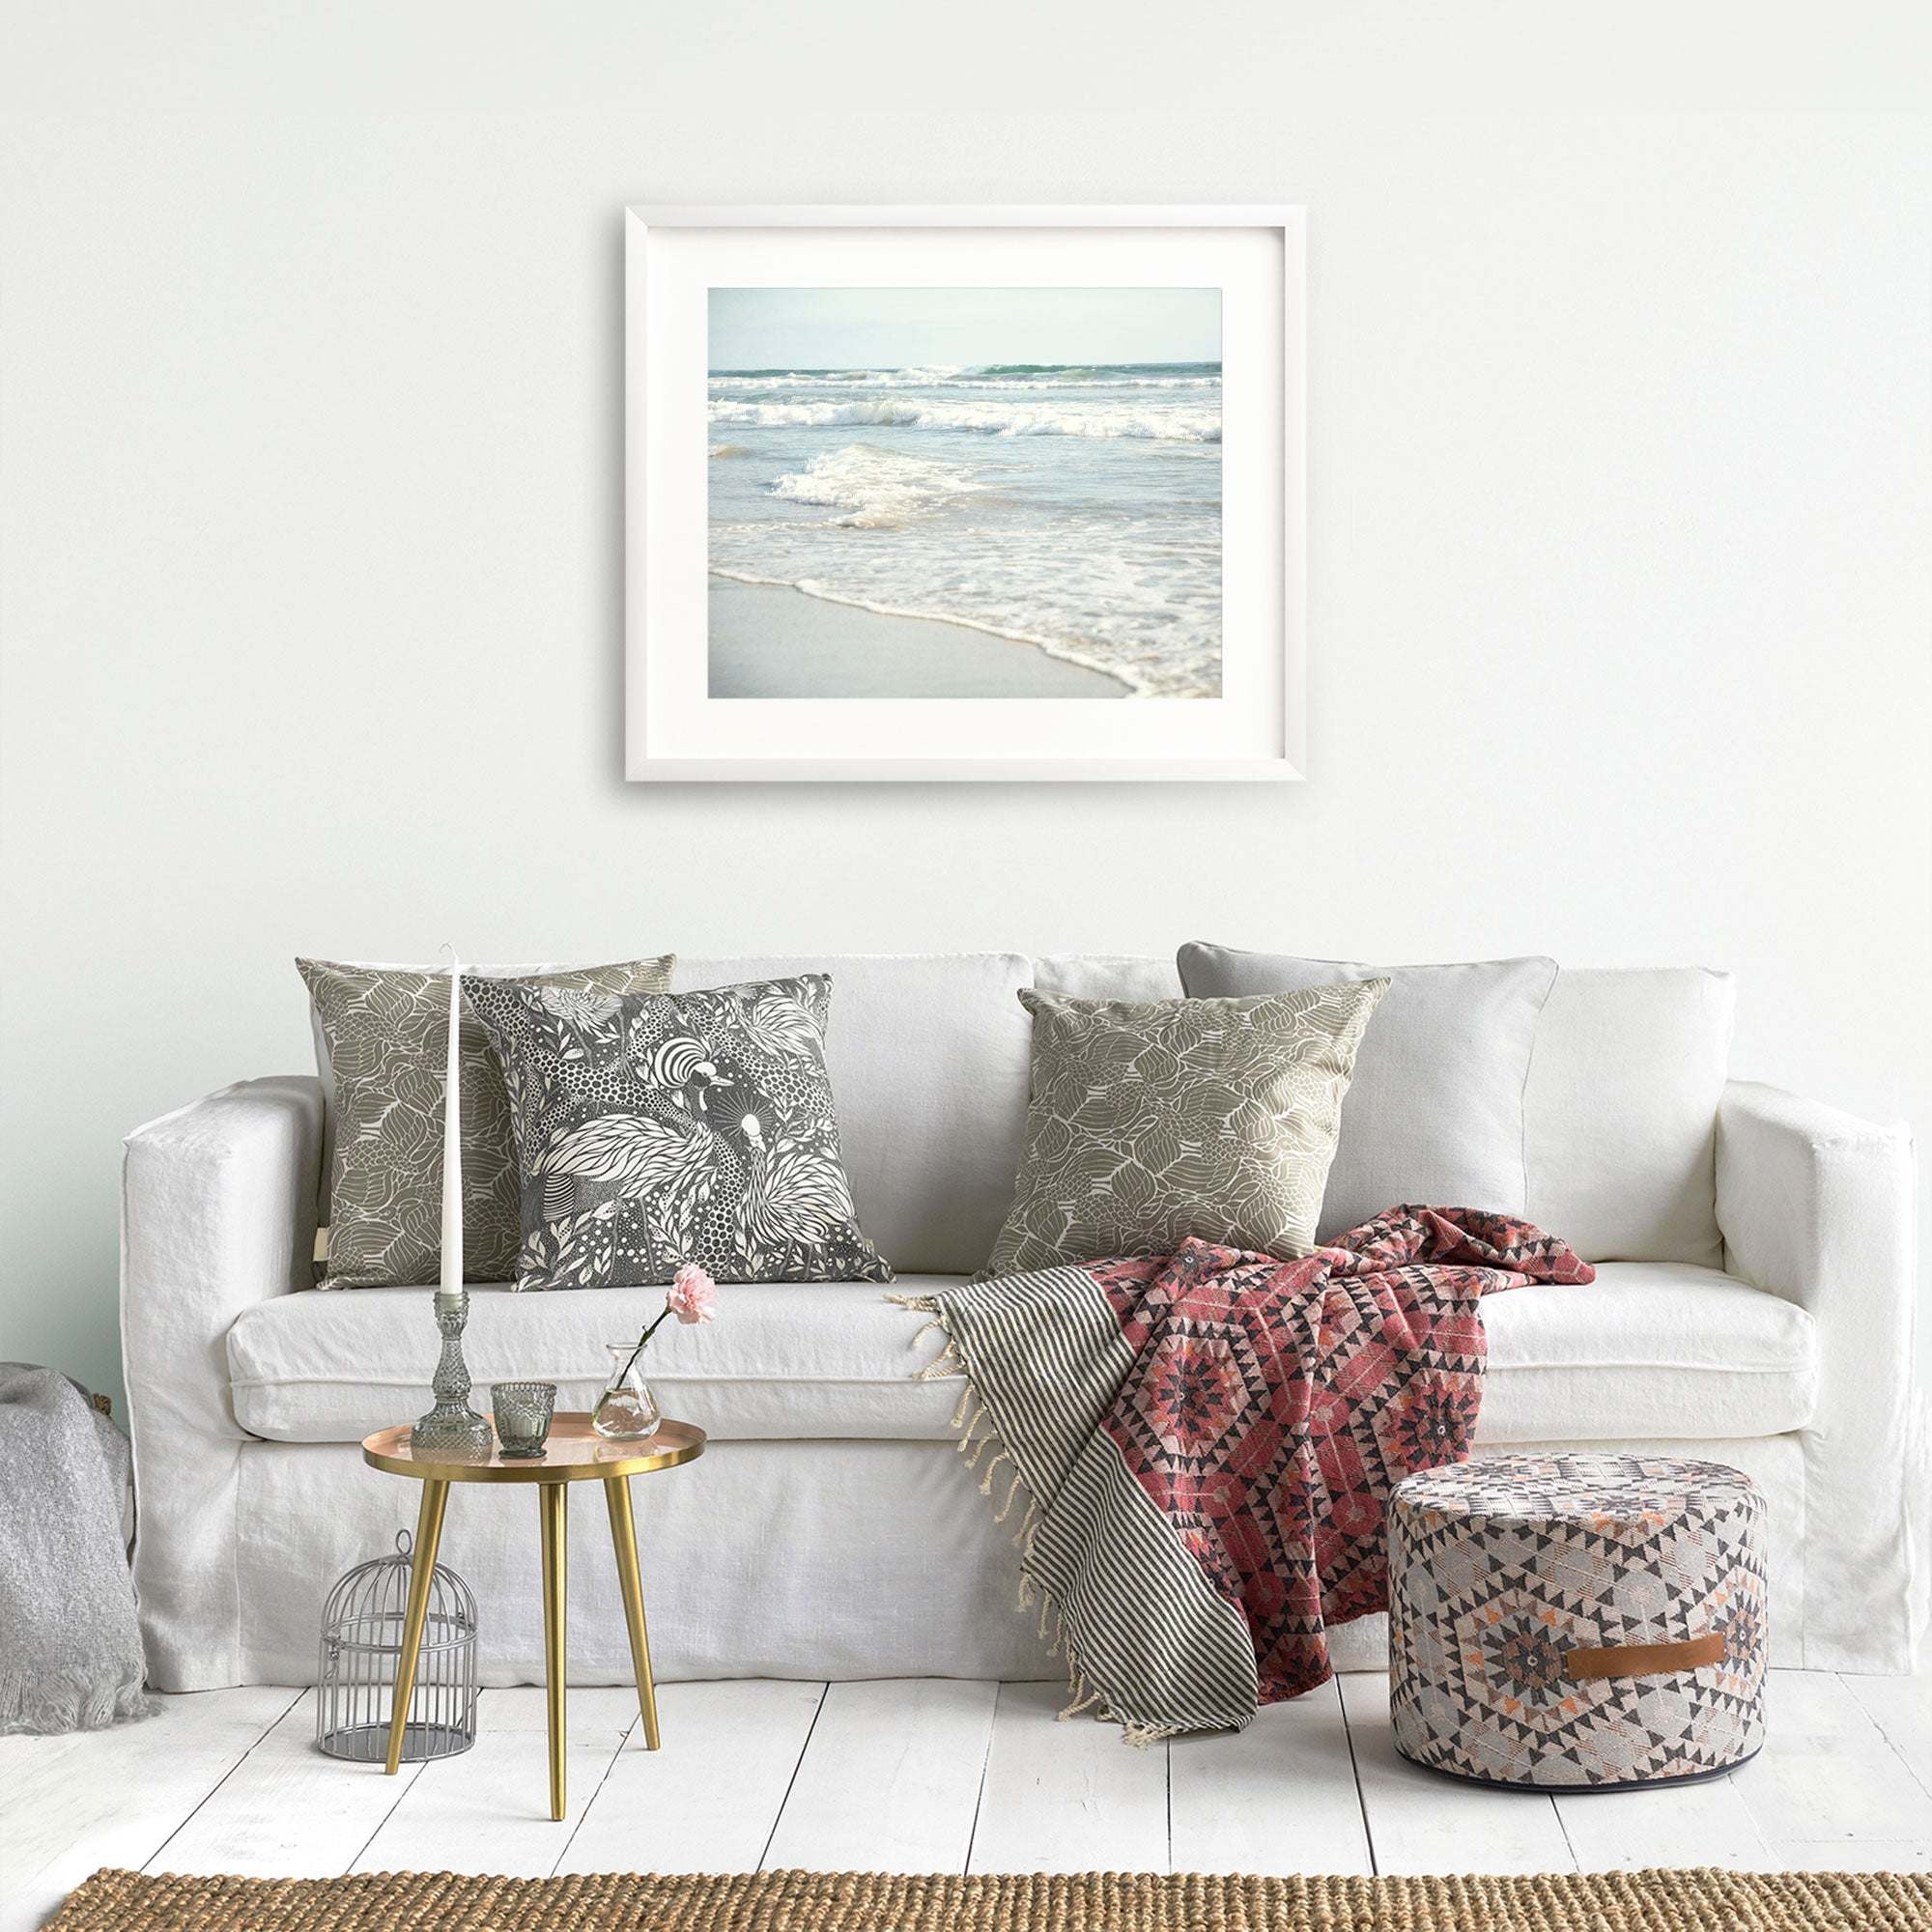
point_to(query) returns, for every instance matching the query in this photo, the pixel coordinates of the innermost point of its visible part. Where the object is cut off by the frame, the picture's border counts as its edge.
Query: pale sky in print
(901, 328)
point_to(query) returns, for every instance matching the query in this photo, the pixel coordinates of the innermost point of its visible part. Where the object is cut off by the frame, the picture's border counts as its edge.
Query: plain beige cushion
(1621, 1112)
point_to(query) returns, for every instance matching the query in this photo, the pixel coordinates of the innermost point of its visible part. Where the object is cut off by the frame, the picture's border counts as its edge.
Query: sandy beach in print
(901, 524)
(770, 640)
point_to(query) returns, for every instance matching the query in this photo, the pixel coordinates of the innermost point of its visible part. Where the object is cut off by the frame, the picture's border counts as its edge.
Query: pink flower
(693, 1294)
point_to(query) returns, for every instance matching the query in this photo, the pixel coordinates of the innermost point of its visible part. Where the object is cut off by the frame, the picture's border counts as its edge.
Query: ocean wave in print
(876, 488)
(1064, 419)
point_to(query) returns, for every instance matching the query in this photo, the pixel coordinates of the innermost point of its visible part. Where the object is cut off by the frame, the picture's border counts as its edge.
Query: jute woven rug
(787, 1901)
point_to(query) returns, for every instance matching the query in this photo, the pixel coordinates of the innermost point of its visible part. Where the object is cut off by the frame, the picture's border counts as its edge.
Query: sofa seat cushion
(1650, 1351)
(781, 1359)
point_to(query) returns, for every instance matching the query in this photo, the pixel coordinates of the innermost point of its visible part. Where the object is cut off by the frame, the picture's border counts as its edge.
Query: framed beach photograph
(964, 492)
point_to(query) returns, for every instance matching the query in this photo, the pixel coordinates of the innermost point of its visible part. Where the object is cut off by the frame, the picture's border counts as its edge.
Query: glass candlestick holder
(452, 1430)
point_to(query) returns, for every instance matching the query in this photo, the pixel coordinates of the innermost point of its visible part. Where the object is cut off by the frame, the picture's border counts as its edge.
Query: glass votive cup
(523, 1412)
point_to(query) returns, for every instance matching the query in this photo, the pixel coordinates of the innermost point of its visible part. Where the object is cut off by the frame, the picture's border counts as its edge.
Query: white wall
(1620, 475)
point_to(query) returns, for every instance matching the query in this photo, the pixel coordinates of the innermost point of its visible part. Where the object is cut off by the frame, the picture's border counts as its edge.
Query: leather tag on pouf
(1644, 1659)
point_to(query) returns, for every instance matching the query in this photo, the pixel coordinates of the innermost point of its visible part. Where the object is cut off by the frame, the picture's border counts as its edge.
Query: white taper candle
(452, 1143)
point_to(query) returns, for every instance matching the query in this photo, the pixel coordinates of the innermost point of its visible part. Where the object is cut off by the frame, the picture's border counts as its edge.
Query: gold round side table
(575, 1453)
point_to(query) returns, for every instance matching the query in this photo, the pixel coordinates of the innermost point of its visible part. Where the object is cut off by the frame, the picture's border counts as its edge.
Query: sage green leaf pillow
(1148, 1123)
(385, 1032)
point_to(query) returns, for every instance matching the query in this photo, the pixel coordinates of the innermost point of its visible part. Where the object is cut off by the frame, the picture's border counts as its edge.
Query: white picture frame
(1255, 729)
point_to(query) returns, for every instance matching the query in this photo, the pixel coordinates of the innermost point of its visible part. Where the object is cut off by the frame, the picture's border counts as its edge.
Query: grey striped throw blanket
(1203, 1443)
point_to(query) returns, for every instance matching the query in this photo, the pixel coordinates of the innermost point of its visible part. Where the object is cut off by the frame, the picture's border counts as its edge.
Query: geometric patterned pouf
(1580, 1622)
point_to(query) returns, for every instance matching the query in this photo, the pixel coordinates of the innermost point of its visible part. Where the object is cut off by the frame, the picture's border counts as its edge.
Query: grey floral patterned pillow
(689, 1128)
(385, 1031)
(1151, 1122)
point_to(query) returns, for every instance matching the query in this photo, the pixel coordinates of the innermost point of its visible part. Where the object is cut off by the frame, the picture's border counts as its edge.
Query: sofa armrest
(1817, 1206)
(218, 1211)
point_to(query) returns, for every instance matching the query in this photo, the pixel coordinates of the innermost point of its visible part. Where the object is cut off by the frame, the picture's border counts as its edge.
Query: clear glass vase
(626, 1409)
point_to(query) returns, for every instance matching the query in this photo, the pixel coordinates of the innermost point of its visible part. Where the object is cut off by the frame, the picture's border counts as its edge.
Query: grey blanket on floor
(70, 1644)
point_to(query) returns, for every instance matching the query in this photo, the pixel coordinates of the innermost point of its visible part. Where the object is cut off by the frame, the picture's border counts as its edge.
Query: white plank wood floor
(927, 1775)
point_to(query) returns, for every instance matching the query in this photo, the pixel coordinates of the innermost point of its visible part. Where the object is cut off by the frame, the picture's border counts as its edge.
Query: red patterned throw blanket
(1205, 1443)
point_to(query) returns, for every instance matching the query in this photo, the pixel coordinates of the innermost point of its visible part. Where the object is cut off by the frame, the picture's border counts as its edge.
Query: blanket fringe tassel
(947, 1362)
(978, 1433)
(1005, 1509)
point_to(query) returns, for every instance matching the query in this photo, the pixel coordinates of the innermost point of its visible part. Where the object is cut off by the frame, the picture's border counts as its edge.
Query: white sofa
(1753, 1305)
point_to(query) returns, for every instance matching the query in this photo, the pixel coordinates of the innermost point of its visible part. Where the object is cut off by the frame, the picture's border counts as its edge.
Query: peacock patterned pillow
(657, 1129)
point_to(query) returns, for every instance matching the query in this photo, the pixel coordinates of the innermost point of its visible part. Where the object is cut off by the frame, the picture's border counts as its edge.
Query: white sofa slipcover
(831, 1530)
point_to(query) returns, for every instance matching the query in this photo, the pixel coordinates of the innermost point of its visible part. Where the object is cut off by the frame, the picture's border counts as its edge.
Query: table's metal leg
(554, 1503)
(422, 1569)
(624, 1537)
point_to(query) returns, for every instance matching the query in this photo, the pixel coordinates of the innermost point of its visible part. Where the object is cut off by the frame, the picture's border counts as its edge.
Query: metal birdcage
(361, 1644)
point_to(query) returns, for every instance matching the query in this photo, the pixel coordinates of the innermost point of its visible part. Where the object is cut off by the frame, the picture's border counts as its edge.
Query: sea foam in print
(1057, 494)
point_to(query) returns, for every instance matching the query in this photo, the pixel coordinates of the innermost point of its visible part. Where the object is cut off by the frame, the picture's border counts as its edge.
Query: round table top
(575, 1453)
